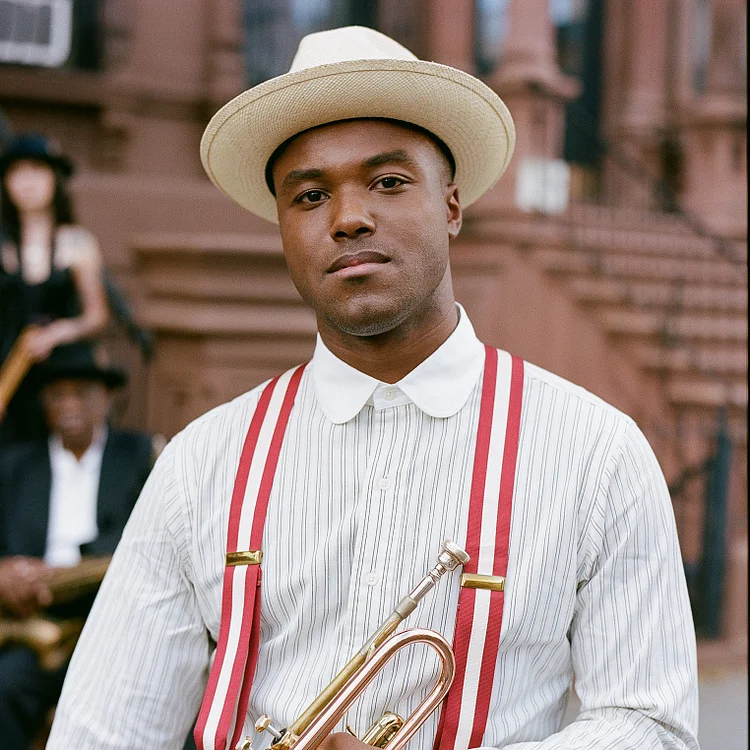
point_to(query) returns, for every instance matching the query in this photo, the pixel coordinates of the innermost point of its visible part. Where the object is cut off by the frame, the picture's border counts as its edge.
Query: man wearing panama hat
(338, 480)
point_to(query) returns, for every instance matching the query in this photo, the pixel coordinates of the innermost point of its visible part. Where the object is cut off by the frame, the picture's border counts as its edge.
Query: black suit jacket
(26, 483)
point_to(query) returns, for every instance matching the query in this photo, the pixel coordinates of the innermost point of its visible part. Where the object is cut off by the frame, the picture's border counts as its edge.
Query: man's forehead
(367, 140)
(365, 135)
(74, 384)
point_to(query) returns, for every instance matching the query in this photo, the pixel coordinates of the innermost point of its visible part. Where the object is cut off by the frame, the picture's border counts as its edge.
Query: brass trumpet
(390, 731)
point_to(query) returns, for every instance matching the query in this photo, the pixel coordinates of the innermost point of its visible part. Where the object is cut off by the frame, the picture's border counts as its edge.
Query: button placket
(376, 531)
(364, 600)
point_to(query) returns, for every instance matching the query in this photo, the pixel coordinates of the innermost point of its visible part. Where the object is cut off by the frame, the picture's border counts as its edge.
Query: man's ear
(454, 214)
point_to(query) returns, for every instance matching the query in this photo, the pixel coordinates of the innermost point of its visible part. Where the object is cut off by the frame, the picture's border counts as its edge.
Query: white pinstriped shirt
(371, 478)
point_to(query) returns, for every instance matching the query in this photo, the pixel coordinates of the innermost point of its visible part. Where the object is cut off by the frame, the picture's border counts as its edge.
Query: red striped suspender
(236, 651)
(477, 635)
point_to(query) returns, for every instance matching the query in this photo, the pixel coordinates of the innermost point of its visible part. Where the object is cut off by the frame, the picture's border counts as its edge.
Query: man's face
(75, 408)
(366, 211)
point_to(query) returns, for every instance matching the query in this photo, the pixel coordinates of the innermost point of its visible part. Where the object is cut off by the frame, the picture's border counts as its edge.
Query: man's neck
(79, 444)
(77, 448)
(390, 356)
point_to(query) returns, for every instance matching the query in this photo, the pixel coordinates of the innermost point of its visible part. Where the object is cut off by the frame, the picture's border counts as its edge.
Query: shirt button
(389, 394)
(384, 483)
(372, 579)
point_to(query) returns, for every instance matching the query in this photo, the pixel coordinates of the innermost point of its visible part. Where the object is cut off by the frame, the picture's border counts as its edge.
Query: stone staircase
(670, 298)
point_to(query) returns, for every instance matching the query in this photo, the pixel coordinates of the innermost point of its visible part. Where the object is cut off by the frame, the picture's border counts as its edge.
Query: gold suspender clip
(477, 581)
(246, 557)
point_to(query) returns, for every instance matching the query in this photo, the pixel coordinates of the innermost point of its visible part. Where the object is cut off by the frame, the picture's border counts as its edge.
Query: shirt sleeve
(632, 638)
(139, 670)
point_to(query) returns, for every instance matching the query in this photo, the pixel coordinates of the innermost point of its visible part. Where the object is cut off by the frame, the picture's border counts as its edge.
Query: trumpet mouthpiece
(454, 553)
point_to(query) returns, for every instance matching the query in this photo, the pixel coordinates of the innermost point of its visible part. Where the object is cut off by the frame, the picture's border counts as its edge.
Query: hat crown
(34, 144)
(80, 360)
(35, 147)
(346, 44)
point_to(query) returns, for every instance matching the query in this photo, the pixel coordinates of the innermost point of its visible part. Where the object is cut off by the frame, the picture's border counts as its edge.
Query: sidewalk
(723, 711)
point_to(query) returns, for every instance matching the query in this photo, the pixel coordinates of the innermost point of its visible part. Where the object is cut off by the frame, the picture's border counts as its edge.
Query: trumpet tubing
(322, 725)
(322, 715)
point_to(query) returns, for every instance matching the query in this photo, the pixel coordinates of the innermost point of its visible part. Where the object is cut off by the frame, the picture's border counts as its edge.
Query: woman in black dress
(50, 269)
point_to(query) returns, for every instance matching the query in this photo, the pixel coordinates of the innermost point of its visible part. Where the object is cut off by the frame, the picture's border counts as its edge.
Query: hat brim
(459, 109)
(111, 377)
(59, 163)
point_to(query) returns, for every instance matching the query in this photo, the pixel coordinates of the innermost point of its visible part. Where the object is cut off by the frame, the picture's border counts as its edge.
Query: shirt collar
(439, 386)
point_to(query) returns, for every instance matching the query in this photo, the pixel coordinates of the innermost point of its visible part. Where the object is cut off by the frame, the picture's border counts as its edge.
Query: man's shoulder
(19, 454)
(230, 418)
(540, 381)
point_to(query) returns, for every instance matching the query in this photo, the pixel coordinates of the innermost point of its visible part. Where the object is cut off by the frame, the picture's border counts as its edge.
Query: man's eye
(390, 182)
(312, 196)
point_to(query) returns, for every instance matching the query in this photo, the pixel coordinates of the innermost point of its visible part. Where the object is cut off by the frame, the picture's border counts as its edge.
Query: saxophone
(14, 368)
(53, 640)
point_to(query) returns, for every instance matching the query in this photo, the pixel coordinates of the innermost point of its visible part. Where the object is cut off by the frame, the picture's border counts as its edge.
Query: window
(701, 43)
(36, 32)
(491, 28)
(493, 23)
(274, 28)
(578, 25)
(50, 33)
(569, 19)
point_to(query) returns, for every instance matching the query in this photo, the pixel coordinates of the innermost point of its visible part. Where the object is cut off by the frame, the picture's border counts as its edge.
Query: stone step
(692, 392)
(597, 290)
(639, 323)
(644, 243)
(725, 362)
(623, 217)
(622, 235)
(632, 268)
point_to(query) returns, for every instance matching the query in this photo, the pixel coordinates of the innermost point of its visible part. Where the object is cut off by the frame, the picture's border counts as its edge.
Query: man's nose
(352, 218)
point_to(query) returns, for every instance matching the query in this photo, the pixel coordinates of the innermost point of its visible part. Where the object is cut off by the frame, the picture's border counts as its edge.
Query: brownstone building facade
(613, 252)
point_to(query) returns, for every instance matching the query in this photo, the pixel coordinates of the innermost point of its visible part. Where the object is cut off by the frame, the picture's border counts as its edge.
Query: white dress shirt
(371, 478)
(73, 500)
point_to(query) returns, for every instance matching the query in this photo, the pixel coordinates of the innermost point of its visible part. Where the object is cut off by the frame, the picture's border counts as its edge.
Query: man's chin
(366, 323)
(75, 438)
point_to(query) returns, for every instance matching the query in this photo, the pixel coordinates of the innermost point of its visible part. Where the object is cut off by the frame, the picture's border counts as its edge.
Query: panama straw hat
(348, 73)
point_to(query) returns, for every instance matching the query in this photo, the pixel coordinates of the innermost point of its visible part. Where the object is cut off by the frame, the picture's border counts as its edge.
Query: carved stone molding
(226, 317)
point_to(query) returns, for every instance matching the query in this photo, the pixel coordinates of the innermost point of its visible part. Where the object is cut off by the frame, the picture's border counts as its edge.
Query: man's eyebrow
(300, 175)
(398, 156)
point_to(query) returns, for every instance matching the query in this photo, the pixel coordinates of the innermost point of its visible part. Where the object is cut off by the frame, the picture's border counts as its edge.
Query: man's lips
(355, 260)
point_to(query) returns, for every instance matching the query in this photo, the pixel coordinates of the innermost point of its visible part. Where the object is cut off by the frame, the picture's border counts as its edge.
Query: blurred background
(613, 252)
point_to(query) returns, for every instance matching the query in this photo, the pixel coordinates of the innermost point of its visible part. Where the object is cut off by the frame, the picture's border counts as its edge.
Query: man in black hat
(60, 498)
